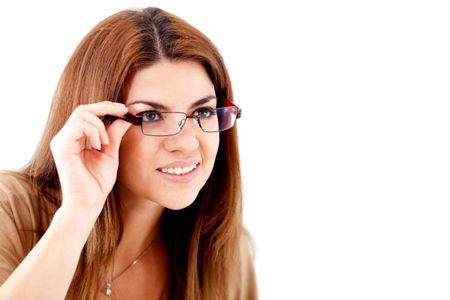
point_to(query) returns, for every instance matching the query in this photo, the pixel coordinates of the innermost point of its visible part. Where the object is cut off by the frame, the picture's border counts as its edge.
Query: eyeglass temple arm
(227, 102)
(136, 120)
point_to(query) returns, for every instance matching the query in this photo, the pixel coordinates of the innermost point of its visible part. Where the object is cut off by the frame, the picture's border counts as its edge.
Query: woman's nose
(187, 140)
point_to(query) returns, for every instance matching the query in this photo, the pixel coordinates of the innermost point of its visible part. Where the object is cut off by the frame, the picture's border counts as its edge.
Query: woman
(134, 191)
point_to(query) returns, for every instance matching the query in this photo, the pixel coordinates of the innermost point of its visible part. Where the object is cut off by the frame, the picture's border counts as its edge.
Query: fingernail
(87, 145)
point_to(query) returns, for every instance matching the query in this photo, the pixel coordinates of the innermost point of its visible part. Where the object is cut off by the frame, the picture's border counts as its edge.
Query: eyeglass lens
(170, 123)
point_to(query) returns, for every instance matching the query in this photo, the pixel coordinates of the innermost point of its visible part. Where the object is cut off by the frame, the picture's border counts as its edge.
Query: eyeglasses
(156, 123)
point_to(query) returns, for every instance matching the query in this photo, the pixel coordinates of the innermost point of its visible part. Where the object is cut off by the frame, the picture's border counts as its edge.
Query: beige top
(20, 217)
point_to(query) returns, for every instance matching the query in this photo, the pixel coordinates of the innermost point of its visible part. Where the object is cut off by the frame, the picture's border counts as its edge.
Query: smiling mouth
(179, 171)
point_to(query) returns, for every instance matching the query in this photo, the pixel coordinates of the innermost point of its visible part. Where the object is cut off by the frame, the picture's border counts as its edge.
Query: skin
(120, 156)
(145, 192)
(176, 85)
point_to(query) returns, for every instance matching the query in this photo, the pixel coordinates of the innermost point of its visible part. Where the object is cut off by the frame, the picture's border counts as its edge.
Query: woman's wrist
(78, 221)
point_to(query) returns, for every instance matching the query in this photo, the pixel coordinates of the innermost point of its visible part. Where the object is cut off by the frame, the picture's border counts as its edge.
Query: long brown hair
(203, 239)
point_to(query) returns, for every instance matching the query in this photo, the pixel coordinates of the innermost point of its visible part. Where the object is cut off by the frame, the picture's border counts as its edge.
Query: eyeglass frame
(138, 120)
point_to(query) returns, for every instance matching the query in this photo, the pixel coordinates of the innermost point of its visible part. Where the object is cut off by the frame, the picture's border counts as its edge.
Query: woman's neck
(140, 260)
(141, 224)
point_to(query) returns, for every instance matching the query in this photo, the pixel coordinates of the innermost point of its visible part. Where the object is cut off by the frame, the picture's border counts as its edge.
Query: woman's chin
(178, 204)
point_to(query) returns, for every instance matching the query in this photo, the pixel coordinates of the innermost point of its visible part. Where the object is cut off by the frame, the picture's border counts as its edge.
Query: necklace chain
(108, 289)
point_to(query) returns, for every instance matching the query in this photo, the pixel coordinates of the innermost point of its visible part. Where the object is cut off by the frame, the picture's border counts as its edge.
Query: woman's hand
(87, 174)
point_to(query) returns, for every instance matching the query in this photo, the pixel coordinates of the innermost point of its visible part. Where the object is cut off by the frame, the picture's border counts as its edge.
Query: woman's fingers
(105, 108)
(97, 123)
(90, 113)
(84, 124)
(92, 134)
(88, 176)
(115, 132)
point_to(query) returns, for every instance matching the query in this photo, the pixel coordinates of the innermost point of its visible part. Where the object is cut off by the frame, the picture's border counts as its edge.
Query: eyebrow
(160, 106)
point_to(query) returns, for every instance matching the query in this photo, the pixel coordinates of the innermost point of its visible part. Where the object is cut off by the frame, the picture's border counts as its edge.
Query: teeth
(179, 171)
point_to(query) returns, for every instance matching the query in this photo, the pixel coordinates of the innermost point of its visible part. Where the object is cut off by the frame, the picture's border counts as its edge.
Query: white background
(344, 136)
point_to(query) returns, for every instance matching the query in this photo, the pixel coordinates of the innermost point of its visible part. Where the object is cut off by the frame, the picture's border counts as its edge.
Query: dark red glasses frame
(137, 120)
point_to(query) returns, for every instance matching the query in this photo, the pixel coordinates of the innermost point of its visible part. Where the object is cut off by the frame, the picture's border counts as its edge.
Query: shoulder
(22, 205)
(20, 221)
(13, 183)
(24, 216)
(14, 192)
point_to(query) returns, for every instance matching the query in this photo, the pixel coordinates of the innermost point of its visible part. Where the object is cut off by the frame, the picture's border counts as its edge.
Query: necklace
(108, 289)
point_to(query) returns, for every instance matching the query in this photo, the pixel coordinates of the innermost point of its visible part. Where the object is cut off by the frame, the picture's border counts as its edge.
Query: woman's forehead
(168, 83)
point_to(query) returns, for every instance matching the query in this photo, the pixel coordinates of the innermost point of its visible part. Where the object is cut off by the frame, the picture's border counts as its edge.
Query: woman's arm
(87, 177)
(47, 271)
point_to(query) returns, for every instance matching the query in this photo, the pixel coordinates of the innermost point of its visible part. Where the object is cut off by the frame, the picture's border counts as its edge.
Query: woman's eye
(205, 112)
(150, 116)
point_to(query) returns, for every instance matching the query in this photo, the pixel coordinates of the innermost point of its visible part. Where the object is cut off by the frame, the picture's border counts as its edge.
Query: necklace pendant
(108, 289)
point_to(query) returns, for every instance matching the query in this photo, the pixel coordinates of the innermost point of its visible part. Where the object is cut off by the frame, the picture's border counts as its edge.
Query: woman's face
(168, 170)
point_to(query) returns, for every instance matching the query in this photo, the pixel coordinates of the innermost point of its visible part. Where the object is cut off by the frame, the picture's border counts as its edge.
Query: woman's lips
(182, 173)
